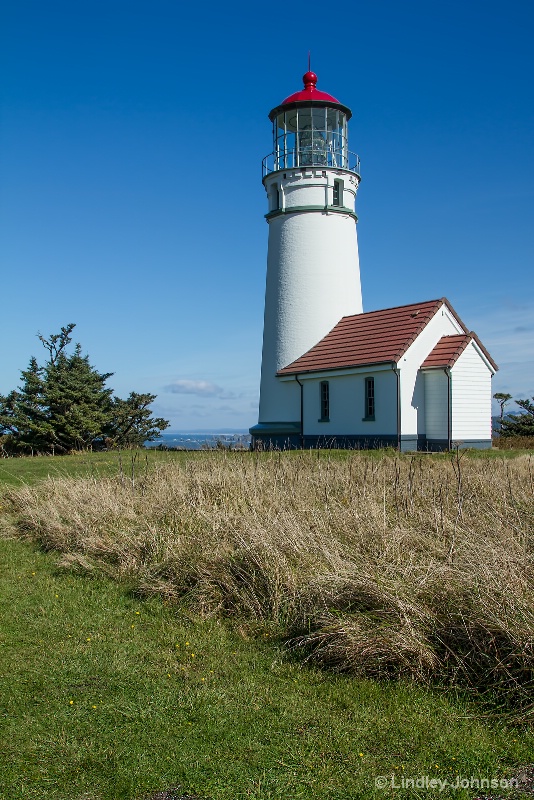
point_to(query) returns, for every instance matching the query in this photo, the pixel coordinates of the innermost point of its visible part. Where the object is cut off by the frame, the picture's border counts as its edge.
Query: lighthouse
(412, 376)
(313, 277)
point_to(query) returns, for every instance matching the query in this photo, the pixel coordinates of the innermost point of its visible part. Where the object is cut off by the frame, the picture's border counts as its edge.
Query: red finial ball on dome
(310, 80)
(311, 93)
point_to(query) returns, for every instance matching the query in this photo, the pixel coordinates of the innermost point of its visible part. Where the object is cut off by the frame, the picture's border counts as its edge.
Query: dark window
(275, 197)
(325, 401)
(369, 398)
(338, 193)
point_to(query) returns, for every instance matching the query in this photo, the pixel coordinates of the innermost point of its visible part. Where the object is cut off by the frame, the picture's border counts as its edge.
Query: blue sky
(131, 200)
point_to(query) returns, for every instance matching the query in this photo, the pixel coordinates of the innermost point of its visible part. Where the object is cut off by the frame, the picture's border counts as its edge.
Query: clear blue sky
(131, 142)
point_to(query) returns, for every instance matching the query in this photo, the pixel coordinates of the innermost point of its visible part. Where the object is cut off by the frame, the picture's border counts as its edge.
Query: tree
(77, 401)
(58, 342)
(519, 424)
(31, 417)
(8, 426)
(131, 422)
(65, 405)
(502, 398)
(22, 415)
(8, 405)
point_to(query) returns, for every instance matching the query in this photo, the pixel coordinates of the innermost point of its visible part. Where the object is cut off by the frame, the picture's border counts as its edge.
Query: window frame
(274, 197)
(337, 198)
(324, 401)
(369, 399)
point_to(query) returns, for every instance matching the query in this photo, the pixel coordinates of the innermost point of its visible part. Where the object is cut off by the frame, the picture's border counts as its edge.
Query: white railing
(304, 157)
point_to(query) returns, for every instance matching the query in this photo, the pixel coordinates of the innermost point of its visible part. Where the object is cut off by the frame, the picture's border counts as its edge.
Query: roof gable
(449, 349)
(371, 338)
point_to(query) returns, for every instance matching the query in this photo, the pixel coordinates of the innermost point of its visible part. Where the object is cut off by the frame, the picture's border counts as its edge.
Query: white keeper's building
(413, 377)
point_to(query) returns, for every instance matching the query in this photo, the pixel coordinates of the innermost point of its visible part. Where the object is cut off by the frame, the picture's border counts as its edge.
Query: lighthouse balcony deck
(299, 159)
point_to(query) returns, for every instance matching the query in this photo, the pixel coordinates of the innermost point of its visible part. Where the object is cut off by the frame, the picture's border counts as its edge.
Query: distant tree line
(64, 405)
(515, 424)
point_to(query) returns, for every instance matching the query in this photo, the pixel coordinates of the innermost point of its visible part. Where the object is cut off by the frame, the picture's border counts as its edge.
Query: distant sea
(202, 440)
(209, 440)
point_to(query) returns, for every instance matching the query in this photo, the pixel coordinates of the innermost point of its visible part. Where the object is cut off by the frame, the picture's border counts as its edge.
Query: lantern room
(310, 129)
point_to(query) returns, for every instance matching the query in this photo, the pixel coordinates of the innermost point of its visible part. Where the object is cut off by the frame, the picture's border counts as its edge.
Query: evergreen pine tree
(519, 424)
(131, 422)
(8, 427)
(502, 398)
(77, 401)
(65, 405)
(32, 417)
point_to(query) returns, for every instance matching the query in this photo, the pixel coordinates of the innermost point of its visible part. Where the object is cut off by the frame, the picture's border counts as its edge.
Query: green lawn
(104, 696)
(14, 471)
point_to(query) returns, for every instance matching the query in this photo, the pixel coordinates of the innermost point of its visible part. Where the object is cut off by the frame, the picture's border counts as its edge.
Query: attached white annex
(413, 377)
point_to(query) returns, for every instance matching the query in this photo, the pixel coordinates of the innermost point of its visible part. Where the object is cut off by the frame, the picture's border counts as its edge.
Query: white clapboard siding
(443, 323)
(436, 404)
(347, 404)
(471, 396)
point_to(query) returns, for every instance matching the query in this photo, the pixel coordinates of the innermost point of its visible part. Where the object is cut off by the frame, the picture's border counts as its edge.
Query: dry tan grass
(418, 566)
(514, 442)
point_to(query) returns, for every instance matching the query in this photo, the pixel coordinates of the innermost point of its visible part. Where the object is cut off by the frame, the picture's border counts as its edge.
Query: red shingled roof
(447, 351)
(450, 348)
(372, 338)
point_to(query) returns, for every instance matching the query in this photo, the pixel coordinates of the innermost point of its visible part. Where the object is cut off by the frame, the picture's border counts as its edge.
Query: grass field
(106, 694)
(18, 471)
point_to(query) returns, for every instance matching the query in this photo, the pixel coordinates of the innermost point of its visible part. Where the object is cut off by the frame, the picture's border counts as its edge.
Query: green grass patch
(107, 697)
(28, 469)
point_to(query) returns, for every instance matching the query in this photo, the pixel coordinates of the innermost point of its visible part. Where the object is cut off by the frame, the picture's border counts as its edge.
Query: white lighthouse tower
(313, 275)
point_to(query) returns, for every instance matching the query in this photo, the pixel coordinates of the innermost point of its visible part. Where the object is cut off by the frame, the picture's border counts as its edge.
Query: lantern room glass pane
(311, 136)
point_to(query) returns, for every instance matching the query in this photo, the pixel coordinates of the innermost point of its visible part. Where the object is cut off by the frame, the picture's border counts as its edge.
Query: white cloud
(201, 388)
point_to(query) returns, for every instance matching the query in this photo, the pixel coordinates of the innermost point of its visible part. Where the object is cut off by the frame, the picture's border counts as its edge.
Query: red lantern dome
(310, 92)
(310, 96)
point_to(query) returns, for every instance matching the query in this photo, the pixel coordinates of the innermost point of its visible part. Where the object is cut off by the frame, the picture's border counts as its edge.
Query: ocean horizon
(202, 439)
